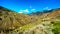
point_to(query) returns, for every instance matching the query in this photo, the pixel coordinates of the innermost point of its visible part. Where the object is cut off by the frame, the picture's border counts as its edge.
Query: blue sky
(28, 6)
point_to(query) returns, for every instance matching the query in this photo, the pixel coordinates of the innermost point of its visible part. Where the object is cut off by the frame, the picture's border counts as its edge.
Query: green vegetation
(56, 27)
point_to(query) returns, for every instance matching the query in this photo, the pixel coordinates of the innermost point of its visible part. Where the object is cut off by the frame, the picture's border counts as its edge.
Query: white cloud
(33, 9)
(20, 12)
(46, 8)
(24, 11)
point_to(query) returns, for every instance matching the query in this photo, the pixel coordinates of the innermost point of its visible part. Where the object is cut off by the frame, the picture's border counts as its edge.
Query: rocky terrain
(45, 22)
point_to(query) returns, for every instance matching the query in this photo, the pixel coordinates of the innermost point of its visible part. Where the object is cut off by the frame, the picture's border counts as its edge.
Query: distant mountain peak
(52, 11)
(58, 8)
(5, 9)
(1, 7)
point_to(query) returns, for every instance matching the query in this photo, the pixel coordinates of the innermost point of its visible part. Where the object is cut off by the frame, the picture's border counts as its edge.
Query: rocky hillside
(11, 20)
(49, 14)
(45, 22)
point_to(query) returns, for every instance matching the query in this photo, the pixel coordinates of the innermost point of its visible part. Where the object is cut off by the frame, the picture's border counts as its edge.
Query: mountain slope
(12, 20)
(35, 23)
(50, 14)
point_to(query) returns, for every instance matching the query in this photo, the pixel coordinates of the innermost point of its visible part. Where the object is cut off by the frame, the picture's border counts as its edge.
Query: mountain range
(11, 20)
